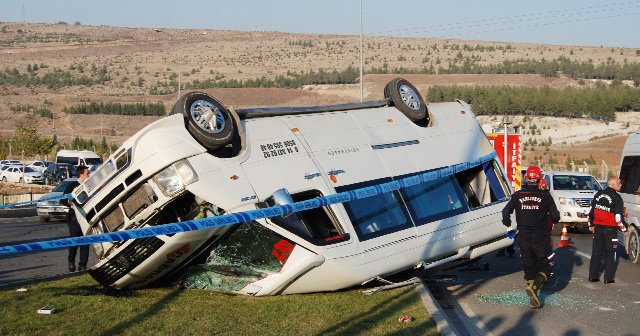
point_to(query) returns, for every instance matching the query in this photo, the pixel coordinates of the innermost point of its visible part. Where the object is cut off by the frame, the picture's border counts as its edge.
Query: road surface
(27, 266)
(494, 302)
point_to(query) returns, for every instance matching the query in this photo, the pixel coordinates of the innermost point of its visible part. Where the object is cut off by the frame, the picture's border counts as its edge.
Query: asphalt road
(494, 302)
(34, 265)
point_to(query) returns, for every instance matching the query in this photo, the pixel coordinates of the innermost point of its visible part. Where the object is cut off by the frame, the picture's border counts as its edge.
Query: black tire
(407, 99)
(195, 107)
(557, 229)
(633, 245)
(45, 219)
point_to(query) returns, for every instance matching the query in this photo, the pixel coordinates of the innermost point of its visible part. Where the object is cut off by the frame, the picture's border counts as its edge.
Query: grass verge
(84, 308)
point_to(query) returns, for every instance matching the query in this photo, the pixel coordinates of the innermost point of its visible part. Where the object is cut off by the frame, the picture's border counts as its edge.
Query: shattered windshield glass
(245, 255)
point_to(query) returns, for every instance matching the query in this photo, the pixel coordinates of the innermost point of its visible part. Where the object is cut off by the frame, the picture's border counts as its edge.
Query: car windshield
(62, 185)
(29, 170)
(575, 182)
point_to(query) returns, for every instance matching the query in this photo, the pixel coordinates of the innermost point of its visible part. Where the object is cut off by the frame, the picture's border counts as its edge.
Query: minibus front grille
(113, 194)
(114, 219)
(125, 261)
(141, 199)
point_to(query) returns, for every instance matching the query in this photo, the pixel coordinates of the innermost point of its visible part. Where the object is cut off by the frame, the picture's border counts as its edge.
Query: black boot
(539, 281)
(534, 302)
(82, 268)
(72, 267)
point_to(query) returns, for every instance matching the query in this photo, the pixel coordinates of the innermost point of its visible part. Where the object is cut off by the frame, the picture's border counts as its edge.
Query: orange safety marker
(564, 240)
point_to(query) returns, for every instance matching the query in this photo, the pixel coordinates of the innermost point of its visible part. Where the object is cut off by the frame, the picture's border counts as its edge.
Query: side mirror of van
(282, 197)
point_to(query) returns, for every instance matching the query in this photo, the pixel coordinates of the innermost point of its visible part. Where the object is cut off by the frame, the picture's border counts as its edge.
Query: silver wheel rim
(633, 246)
(207, 116)
(409, 97)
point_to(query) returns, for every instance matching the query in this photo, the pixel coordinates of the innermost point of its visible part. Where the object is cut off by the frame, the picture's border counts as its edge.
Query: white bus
(630, 192)
(78, 157)
(207, 160)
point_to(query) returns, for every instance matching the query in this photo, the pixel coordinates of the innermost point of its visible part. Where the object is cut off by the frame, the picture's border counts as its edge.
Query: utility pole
(361, 58)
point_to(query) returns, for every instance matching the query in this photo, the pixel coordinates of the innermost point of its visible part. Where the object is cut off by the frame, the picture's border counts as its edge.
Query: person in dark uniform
(82, 172)
(533, 206)
(605, 219)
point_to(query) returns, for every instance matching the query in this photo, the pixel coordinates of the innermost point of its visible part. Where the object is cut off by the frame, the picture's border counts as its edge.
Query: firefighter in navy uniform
(605, 218)
(533, 207)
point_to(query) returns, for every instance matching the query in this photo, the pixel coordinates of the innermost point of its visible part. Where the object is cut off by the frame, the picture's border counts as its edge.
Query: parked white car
(572, 193)
(40, 165)
(22, 174)
(56, 209)
(10, 162)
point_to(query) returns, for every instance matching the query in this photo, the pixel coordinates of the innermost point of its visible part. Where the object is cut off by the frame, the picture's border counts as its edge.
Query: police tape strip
(45, 199)
(241, 217)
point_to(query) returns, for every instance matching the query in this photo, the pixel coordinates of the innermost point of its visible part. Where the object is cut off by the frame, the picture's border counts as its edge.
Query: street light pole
(361, 58)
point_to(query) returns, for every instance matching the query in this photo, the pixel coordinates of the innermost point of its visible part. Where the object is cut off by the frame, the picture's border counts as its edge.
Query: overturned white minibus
(208, 160)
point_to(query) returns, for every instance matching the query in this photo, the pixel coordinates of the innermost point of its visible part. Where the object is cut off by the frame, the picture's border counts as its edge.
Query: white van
(207, 160)
(78, 157)
(630, 192)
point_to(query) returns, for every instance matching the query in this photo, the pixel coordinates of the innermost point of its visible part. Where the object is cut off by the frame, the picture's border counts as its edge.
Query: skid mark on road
(521, 298)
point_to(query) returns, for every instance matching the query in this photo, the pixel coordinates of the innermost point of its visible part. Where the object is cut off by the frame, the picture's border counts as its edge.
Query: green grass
(87, 309)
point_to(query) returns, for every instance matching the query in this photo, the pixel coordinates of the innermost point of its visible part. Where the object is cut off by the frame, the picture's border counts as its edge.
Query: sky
(565, 22)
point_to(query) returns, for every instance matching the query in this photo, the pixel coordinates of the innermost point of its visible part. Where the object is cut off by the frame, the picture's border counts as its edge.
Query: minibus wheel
(407, 99)
(208, 121)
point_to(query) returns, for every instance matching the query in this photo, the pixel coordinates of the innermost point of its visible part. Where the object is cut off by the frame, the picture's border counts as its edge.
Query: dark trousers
(536, 255)
(76, 231)
(605, 243)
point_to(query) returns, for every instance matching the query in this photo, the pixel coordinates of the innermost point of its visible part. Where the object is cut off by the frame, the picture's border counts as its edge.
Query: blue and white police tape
(45, 199)
(241, 217)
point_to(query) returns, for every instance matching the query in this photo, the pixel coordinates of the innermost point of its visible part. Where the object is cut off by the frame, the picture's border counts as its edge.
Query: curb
(443, 324)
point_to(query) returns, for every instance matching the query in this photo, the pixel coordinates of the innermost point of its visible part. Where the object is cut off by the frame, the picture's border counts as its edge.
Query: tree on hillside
(25, 141)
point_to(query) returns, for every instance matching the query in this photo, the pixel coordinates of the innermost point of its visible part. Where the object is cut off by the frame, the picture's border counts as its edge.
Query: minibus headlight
(174, 178)
(98, 248)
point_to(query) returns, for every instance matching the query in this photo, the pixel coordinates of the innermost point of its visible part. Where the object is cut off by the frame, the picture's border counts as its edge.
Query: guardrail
(19, 198)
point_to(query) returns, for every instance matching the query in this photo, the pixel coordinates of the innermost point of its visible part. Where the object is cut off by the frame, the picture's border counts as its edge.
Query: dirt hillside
(145, 65)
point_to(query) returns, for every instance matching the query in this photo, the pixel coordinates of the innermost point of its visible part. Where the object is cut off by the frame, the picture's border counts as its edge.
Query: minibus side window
(630, 175)
(376, 215)
(319, 226)
(434, 200)
(482, 185)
